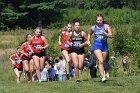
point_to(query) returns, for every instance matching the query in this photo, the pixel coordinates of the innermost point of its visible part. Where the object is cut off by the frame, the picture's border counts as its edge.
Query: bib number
(18, 61)
(38, 47)
(76, 44)
(30, 53)
(100, 37)
(66, 45)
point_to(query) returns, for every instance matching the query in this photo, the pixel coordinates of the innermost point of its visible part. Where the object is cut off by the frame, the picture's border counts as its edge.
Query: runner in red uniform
(17, 64)
(39, 44)
(27, 52)
(65, 48)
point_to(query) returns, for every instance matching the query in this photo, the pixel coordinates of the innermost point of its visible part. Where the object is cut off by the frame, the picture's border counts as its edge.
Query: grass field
(10, 41)
(113, 85)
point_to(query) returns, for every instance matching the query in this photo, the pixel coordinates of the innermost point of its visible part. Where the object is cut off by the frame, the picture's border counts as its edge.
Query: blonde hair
(39, 28)
(64, 28)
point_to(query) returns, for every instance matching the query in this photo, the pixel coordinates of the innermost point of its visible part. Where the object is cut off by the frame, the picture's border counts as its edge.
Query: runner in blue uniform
(101, 32)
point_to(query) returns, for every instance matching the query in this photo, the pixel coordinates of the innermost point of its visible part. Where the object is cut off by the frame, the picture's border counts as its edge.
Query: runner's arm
(85, 36)
(21, 48)
(59, 39)
(68, 39)
(46, 43)
(89, 36)
(109, 32)
(12, 59)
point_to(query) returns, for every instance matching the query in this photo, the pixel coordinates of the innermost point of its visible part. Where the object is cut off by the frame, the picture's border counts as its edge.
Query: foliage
(32, 13)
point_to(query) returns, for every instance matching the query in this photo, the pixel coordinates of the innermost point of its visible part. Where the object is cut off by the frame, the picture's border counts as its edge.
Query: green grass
(113, 85)
(10, 40)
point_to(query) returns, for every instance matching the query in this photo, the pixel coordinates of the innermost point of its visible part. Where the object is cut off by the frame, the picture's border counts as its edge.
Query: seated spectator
(44, 74)
(56, 69)
(125, 62)
(61, 69)
(92, 64)
(72, 72)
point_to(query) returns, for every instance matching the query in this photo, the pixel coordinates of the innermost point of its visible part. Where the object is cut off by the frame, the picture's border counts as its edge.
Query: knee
(101, 62)
(81, 68)
(31, 70)
(37, 68)
(18, 76)
(26, 70)
(68, 60)
(76, 66)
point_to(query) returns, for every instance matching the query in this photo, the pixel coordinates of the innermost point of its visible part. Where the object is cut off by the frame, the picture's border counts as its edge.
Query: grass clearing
(113, 85)
(10, 41)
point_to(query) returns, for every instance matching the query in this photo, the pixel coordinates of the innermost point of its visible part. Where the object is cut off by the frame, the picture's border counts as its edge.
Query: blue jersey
(100, 39)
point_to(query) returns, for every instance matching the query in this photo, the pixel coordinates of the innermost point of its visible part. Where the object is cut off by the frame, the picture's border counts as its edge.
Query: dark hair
(56, 60)
(100, 15)
(76, 20)
(26, 36)
(60, 57)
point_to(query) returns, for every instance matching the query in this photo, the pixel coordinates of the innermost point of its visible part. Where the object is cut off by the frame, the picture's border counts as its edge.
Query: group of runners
(32, 52)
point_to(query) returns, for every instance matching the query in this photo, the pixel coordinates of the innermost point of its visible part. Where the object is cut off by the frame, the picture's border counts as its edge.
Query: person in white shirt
(61, 69)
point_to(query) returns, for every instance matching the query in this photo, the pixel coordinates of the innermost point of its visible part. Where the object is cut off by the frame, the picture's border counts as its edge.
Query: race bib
(38, 47)
(30, 53)
(77, 43)
(100, 37)
(66, 45)
(18, 61)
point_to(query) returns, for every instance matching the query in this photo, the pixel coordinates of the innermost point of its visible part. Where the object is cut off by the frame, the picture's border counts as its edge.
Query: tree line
(31, 13)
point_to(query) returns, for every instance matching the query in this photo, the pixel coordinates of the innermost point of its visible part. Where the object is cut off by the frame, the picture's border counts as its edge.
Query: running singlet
(100, 40)
(27, 51)
(77, 40)
(18, 61)
(99, 37)
(64, 44)
(37, 44)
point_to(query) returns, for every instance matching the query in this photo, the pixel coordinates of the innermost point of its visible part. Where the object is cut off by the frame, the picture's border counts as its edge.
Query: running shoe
(103, 79)
(78, 81)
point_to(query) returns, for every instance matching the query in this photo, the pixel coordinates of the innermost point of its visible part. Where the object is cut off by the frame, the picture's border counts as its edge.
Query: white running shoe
(39, 81)
(107, 75)
(103, 79)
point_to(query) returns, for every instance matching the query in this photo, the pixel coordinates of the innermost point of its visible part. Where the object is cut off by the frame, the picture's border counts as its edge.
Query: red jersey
(27, 51)
(18, 60)
(64, 44)
(36, 44)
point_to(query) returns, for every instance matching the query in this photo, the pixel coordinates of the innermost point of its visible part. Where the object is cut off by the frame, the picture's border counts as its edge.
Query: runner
(77, 43)
(39, 44)
(65, 48)
(16, 59)
(101, 32)
(27, 61)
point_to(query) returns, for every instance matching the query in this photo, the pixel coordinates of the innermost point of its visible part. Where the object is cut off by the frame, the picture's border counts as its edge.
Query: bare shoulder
(106, 26)
(32, 37)
(62, 32)
(43, 37)
(83, 33)
(92, 28)
(24, 44)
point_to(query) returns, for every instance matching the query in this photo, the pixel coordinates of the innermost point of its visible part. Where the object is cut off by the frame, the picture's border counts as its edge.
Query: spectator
(92, 64)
